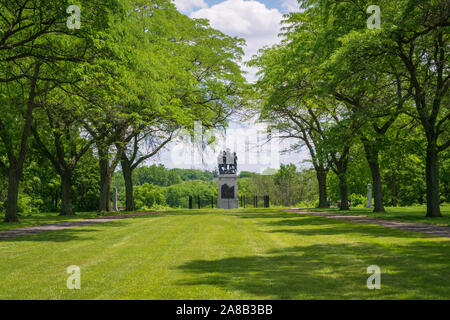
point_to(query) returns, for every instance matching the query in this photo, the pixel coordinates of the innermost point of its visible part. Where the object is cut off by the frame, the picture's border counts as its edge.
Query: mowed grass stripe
(239, 254)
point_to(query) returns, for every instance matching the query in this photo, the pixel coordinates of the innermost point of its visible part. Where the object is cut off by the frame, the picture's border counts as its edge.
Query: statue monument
(228, 198)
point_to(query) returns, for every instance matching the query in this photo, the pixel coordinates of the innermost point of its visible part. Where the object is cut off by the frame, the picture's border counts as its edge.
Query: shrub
(148, 196)
(358, 200)
(28, 205)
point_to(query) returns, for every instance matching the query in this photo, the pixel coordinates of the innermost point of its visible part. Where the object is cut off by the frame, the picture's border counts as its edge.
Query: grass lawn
(407, 214)
(47, 218)
(216, 254)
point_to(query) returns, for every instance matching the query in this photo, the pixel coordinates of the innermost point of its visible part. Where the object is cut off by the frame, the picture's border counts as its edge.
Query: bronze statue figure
(227, 165)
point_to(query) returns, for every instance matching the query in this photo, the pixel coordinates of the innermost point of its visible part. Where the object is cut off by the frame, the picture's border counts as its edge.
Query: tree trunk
(66, 194)
(13, 194)
(105, 186)
(322, 180)
(432, 179)
(16, 164)
(372, 159)
(127, 176)
(344, 192)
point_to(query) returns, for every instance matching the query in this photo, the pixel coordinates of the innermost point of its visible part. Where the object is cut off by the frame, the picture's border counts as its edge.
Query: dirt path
(438, 231)
(66, 225)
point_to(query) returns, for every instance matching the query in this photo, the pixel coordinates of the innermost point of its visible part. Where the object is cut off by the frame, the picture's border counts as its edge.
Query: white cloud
(189, 5)
(259, 26)
(250, 20)
(239, 17)
(290, 5)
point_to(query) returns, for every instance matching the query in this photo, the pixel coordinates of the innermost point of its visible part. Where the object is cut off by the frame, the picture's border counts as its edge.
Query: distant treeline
(156, 186)
(159, 175)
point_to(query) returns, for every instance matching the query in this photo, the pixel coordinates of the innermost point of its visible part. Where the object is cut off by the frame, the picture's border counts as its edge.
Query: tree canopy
(335, 83)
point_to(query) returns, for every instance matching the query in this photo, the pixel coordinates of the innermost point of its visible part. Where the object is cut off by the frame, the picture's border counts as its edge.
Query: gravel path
(434, 230)
(7, 234)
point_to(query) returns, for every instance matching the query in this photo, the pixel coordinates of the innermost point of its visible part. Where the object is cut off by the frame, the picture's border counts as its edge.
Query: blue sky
(282, 5)
(277, 4)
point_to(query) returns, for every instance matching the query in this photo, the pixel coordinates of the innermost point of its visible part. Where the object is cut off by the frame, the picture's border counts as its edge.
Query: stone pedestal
(228, 198)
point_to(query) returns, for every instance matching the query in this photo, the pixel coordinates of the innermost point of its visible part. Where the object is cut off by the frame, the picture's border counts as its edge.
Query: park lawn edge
(400, 214)
(52, 218)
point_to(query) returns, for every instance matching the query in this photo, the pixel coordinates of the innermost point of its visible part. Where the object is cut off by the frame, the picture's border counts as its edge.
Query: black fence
(199, 202)
(202, 202)
(254, 202)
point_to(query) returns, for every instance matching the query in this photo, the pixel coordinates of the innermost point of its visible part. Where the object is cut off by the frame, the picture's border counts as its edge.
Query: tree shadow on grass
(265, 214)
(417, 269)
(64, 235)
(321, 226)
(328, 226)
(338, 271)
(187, 212)
(244, 213)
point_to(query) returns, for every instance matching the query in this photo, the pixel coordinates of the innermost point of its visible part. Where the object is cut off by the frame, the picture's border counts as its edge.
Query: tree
(414, 39)
(407, 56)
(131, 160)
(403, 160)
(157, 76)
(287, 179)
(338, 142)
(34, 44)
(373, 91)
(206, 87)
(289, 106)
(60, 140)
(16, 155)
(422, 44)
